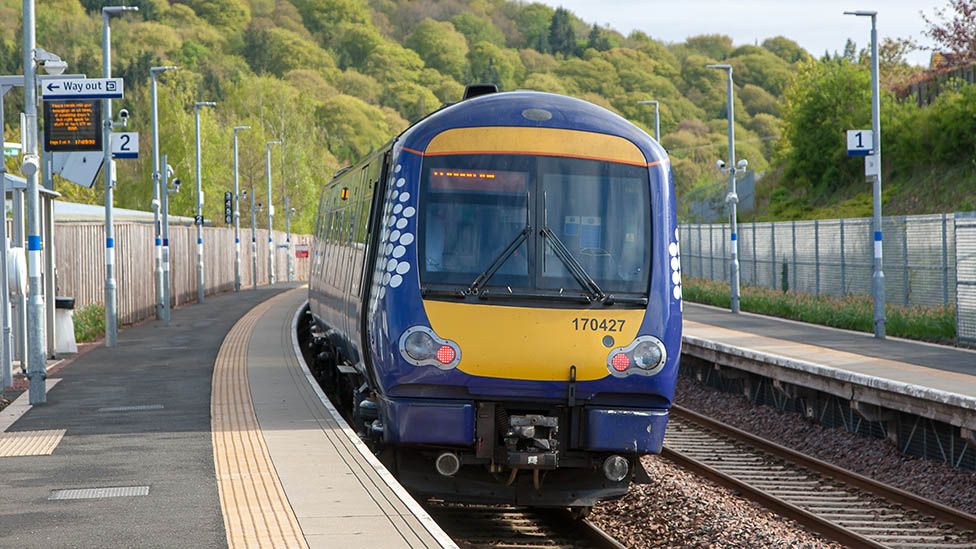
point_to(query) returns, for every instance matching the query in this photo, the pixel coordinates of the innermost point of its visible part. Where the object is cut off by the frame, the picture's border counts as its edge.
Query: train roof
(523, 108)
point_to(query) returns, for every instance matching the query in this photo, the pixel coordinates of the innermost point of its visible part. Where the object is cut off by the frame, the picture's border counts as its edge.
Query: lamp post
(271, 250)
(288, 211)
(877, 277)
(254, 240)
(161, 244)
(237, 216)
(732, 198)
(201, 287)
(164, 185)
(657, 118)
(108, 170)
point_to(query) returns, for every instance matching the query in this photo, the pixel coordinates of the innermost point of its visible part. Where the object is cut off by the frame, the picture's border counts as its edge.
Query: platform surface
(139, 463)
(917, 364)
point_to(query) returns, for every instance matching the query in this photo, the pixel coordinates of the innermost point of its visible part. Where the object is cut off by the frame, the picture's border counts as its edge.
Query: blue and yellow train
(496, 295)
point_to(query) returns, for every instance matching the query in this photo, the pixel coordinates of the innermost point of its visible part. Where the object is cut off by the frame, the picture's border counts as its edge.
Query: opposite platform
(933, 381)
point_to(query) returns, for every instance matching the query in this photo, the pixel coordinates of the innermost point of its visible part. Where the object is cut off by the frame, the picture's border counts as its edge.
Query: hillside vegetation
(336, 78)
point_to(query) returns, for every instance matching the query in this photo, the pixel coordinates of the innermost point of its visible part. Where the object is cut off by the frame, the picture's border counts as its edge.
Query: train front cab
(538, 359)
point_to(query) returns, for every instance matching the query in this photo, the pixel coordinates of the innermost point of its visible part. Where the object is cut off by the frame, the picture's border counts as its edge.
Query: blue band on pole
(237, 241)
(158, 241)
(270, 239)
(165, 242)
(109, 242)
(199, 241)
(735, 236)
(34, 243)
(877, 236)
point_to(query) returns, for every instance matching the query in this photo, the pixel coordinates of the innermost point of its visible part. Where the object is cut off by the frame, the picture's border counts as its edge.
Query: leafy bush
(89, 322)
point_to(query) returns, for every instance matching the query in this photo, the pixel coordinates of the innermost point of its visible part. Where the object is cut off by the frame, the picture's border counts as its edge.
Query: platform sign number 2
(125, 145)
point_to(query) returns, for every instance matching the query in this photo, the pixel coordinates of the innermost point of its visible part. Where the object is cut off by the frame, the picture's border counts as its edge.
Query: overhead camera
(244, 193)
(124, 114)
(720, 164)
(169, 171)
(742, 164)
(55, 67)
(177, 183)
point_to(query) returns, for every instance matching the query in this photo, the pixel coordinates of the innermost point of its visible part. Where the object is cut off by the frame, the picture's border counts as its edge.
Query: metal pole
(108, 171)
(201, 286)
(36, 361)
(159, 195)
(945, 257)
(20, 301)
(271, 250)
(6, 361)
(732, 198)
(254, 242)
(158, 244)
(291, 275)
(877, 278)
(657, 118)
(164, 185)
(237, 216)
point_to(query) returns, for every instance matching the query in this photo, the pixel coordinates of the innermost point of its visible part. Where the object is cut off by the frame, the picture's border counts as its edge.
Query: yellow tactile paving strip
(255, 509)
(30, 443)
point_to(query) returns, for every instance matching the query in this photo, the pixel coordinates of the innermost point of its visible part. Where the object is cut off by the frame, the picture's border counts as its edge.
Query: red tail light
(445, 355)
(620, 362)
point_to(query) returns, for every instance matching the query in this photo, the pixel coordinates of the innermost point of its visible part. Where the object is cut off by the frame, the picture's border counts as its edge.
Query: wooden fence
(80, 264)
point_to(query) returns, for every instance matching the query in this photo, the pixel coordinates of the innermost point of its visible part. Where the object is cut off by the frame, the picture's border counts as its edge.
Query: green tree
(489, 63)
(715, 46)
(353, 128)
(598, 39)
(534, 22)
(231, 15)
(476, 28)
(822, 102)
(562, 36)
(278, 50)
(786, 49)
(441, 47)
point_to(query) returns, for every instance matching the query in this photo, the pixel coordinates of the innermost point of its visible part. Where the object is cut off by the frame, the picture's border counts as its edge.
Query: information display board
(72, 126)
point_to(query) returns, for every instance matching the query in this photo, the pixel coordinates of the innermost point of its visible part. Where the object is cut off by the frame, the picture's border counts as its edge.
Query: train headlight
(646, 356)
(420, 346)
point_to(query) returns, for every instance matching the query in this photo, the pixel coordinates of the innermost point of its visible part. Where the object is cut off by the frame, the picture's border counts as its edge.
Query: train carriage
(497, 294)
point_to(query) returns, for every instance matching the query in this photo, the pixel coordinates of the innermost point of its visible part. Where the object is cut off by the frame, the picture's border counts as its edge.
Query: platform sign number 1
(860, 142)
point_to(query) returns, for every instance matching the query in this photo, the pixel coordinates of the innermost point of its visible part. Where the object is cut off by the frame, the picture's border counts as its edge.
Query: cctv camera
(720, 164)
(54, 67)
(742, 164)
(244, 193)
(177, 183)
(124, 113)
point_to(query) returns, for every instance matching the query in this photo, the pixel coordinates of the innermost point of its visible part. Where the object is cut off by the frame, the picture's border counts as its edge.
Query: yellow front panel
(533, 343)
(537, 141)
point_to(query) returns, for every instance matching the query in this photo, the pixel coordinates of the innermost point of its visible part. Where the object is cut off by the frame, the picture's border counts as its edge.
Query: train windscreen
(537, 223)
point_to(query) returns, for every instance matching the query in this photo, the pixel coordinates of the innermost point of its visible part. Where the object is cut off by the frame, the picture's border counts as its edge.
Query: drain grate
(140, 408)
(97, 493)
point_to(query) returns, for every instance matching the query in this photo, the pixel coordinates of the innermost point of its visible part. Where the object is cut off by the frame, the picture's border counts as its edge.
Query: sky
(817, 25)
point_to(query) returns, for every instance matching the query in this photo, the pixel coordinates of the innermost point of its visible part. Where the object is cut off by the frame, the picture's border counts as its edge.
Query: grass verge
(935, 324)
(89, 322)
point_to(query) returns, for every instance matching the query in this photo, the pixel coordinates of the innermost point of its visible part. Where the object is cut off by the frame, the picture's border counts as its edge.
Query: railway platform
(207, 433)
(878, 378)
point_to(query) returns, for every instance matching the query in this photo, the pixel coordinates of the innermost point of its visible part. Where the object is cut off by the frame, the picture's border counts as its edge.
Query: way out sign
(860, 142)
(125, 145)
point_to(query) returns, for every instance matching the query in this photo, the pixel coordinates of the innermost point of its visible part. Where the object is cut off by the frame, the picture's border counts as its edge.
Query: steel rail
(744, 470)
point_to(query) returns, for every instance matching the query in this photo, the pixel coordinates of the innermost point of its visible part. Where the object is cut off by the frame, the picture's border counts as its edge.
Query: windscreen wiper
(579, 273)
(484, 277)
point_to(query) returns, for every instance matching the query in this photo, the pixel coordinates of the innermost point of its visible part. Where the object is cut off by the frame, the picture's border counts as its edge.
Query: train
(495, 298)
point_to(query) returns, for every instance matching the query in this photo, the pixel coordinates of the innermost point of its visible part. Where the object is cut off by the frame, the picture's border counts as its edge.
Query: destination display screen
(478, 180)
(72, 126)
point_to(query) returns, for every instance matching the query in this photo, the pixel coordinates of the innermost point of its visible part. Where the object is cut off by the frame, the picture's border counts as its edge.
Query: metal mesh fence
(966, 272)
(834, 257)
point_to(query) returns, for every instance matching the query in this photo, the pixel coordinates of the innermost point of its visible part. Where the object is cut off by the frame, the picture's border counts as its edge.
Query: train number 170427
(598, 324)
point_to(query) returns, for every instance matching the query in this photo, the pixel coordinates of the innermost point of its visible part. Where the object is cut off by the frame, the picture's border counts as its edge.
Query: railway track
(505, 526)
(840, 505)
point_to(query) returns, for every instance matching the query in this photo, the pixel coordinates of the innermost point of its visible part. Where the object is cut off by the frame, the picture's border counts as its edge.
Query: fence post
(755, 258)
(794, 257)
(945, 262)
(843, 262)
(711, 251)
(701, 253)
(904, 261)
(816, 254)
(772, 253)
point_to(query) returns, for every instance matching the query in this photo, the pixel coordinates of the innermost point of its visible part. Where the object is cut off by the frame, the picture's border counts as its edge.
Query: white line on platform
(21, 405)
